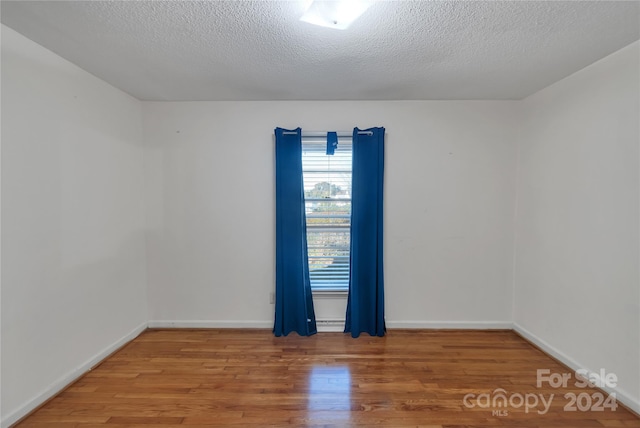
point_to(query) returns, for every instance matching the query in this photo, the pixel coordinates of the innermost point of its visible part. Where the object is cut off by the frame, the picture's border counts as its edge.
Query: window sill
(330, 294)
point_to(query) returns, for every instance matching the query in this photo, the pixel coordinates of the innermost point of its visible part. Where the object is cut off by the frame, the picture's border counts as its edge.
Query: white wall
(577, 283)
(73, 256)
(450, 187)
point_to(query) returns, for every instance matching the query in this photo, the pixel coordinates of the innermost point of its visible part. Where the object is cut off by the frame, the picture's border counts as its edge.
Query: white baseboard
(209, 324)
(621, 396)
(334, 325)
(61, 383)
(463, 325)
(322, 326)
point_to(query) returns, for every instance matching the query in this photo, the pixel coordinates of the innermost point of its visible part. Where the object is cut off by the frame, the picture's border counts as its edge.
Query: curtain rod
(320, 134)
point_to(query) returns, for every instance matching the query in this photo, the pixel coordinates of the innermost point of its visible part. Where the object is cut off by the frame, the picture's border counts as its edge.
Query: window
(327, 191)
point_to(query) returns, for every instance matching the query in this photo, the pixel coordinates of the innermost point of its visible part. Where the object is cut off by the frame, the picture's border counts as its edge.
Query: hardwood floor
(240, 378)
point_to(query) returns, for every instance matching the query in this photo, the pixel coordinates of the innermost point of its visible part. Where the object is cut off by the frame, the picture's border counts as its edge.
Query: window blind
(327, 189)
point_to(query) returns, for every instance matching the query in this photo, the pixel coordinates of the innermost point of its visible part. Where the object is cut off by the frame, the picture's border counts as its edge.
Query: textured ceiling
(259, 50)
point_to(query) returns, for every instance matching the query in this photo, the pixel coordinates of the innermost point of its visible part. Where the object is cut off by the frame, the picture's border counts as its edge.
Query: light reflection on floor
(330, 393)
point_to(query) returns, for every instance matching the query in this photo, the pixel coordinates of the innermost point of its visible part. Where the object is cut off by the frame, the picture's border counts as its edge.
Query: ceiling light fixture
(337, 14)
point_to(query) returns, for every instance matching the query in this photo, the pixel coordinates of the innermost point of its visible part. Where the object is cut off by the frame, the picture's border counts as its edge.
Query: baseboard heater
(329, 325)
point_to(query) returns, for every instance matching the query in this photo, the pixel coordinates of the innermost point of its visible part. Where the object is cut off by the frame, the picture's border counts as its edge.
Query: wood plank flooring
(249, 378)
